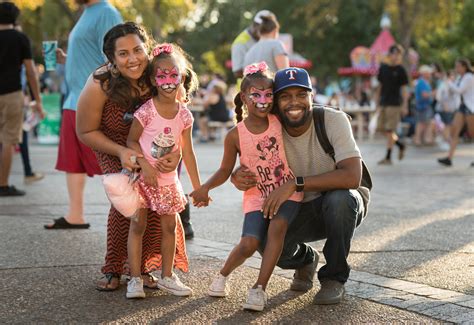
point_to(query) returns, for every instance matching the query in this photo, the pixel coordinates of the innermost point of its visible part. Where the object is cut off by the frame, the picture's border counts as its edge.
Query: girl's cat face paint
(261, 98)
(168, 79)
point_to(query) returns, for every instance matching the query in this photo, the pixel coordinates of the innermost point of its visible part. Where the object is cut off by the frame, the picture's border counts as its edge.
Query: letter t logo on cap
(292, 73)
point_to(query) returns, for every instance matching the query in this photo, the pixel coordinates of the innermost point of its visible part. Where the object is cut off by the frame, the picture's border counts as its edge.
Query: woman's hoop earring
(114, 71)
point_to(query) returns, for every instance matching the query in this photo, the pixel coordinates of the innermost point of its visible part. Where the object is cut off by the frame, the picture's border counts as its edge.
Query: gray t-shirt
(265, 50)
(305, 155)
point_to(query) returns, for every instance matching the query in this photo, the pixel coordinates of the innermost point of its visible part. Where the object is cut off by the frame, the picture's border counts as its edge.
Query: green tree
(54, 19)
(451, 37)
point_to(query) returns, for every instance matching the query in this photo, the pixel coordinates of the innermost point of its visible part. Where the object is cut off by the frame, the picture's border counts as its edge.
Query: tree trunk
(407, 13)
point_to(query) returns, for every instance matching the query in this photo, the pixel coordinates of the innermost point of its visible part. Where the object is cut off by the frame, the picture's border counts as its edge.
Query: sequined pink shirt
(264, 155)
(161, 136)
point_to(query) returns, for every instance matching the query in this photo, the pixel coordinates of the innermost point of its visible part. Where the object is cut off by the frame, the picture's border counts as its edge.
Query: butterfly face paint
(168, 80)
(261, 98)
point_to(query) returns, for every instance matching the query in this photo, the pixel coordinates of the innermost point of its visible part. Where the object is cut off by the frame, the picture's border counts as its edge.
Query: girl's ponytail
(191, 82)
(238, 107)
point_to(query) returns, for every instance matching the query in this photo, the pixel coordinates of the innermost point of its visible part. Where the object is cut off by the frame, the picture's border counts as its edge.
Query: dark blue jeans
(332, 216)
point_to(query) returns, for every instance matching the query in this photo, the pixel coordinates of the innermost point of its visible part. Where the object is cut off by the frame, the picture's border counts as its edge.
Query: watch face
(299, 184)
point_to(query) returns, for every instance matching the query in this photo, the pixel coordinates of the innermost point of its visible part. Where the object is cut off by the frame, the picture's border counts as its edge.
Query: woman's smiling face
(130, 56)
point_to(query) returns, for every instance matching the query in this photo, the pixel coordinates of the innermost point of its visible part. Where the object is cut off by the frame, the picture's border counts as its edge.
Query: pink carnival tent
(366, 61)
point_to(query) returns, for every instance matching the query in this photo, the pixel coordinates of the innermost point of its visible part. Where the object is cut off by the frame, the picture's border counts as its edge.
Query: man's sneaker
(445, 161)
(219, 287)
(385, 161)
(401, 151)
(10, 191)
(256, 299)
(174, 286)
(331, 292)
(33, 178)
(135, 288)
(303, 278)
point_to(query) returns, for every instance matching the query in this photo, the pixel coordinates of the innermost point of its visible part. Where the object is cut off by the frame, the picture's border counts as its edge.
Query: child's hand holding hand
(200, 197)
(149, 174)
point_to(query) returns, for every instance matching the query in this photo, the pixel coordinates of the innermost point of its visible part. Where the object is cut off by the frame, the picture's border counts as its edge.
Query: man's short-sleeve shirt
(14, 48)
(391, 78)
(305, 155)
(84, 53)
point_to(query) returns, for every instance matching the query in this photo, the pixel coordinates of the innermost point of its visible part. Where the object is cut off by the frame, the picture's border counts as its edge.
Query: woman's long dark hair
(246, 82)
(118, 88)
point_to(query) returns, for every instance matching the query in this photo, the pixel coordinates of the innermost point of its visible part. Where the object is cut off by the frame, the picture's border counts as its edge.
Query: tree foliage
(54, 19)
(324, 31)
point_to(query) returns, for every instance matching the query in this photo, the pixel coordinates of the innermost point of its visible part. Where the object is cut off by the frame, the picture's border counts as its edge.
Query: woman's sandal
(150, 281)
(105, 285)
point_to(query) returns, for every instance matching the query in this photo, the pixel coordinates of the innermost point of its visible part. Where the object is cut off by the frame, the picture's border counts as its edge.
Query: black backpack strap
(319, 125)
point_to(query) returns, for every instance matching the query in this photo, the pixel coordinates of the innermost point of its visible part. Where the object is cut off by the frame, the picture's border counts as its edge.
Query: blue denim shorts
(255, 225)
(424, 116)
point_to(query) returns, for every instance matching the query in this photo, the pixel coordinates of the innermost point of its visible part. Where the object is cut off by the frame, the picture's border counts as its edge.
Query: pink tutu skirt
(167, 199)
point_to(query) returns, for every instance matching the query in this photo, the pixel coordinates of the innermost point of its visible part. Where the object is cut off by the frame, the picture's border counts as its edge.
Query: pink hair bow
(162, 48)
(255, 67)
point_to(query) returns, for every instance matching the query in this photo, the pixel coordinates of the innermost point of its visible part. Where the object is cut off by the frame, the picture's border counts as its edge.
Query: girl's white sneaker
(256, 300)
(174, 286)
(219, 287)
(135, 288)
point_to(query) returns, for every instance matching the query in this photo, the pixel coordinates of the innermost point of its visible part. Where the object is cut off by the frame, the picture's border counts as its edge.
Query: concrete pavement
(413, 257)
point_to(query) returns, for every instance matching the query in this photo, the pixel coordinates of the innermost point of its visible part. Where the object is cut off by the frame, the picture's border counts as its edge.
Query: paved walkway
(412, 258)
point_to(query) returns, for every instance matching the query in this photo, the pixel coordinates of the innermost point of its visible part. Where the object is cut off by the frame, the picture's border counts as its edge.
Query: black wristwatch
(299, 181)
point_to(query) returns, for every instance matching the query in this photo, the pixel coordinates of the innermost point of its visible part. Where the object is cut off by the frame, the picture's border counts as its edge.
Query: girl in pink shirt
(259, 143)
(161, 125)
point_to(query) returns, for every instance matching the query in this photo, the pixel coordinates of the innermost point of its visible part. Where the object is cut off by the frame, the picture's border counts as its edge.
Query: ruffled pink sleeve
(145, 113)
(186, 117)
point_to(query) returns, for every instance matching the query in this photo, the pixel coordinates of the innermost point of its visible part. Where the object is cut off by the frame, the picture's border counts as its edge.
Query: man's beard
(295, 124)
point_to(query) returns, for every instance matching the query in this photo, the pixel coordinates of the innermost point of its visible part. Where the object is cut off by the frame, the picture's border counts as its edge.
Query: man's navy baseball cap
(292, 77)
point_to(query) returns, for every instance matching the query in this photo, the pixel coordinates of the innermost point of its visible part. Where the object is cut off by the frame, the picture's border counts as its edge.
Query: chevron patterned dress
(114, 126)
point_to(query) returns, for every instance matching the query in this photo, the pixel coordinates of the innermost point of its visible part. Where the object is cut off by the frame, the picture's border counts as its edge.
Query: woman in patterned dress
(104, 116)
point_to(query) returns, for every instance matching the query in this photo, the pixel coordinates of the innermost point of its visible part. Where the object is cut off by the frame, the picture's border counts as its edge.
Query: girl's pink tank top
(264, 155)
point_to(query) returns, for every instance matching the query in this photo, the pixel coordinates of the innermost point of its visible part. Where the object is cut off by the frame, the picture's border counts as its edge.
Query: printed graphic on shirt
(270, 167)
(163, 143)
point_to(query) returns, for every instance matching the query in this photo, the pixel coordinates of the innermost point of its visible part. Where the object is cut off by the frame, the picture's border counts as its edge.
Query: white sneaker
(256, 300)
(174, 285)
(219, 287)
(135, 288)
